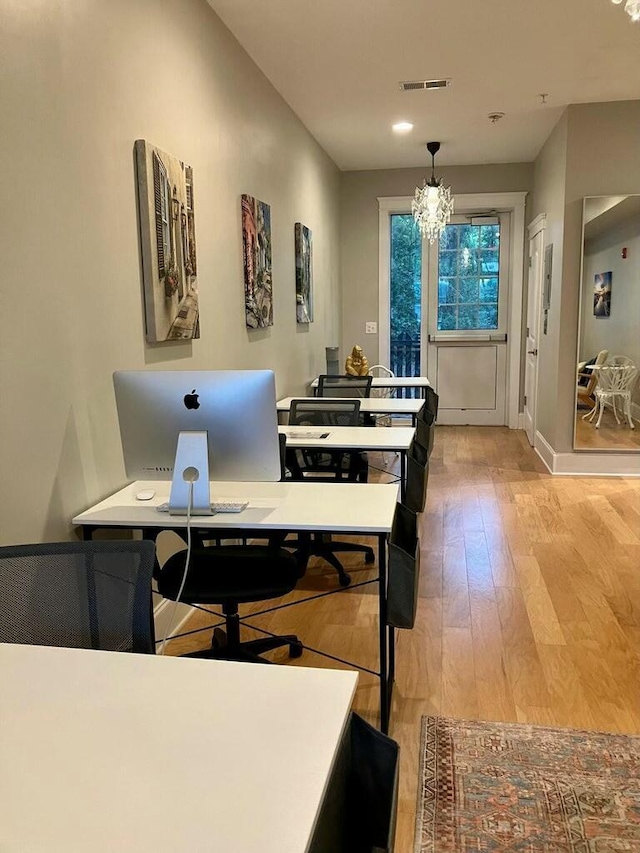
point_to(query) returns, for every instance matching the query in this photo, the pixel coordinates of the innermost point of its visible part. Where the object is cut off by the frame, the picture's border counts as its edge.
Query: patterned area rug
(493, 787)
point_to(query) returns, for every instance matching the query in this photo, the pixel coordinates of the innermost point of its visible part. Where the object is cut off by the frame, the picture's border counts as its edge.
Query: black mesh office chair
(89, 595)
(326, 465)
(227, 576)
(347, 386)
(417, 477)
(333, 466)
(429, 411)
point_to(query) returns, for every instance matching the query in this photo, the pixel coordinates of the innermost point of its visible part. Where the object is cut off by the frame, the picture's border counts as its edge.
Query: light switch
(371, 328)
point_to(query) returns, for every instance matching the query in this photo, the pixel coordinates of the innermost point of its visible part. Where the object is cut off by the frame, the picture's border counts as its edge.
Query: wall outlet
(371, 328)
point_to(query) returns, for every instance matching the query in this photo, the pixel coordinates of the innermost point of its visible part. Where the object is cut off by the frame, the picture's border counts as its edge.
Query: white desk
(348, 508)
(393, 382)
(389, 439)
(101, 751)
(368, 405)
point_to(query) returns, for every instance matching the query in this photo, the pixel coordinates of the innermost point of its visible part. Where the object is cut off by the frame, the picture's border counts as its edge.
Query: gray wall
(598, 145)
(80, 82)
(359, 235)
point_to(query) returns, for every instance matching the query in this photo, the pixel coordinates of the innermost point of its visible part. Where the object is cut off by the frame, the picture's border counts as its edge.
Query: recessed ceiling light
(402, 127)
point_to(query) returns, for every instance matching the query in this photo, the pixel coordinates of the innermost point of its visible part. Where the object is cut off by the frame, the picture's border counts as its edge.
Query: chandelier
(631, 7)
(432, 204)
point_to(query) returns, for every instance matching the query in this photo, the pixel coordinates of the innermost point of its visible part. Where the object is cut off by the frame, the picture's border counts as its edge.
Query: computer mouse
(145, 495)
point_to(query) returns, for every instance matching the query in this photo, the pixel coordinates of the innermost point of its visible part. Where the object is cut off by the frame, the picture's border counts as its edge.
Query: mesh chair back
(424, 435)
(89, 595)
(318, 412)
(344, 386)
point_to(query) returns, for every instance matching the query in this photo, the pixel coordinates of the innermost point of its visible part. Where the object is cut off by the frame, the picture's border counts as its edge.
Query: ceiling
(338, 64)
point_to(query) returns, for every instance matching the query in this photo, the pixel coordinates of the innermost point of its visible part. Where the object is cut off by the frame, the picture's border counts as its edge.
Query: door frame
(536, 227)
(513, 203)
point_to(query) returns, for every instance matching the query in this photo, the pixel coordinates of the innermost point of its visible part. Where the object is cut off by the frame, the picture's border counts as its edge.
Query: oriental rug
(494, 787)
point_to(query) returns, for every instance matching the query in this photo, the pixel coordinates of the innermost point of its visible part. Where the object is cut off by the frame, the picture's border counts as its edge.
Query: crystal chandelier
(432, 204)
(631, 7)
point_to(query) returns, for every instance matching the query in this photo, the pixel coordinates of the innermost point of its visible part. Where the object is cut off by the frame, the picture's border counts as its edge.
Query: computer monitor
(237, 408)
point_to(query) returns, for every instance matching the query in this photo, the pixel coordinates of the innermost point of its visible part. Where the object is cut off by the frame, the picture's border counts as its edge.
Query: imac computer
(226, 421)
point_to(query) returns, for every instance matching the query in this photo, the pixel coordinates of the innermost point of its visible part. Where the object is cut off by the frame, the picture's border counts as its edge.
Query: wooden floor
(610, 435)
(529, 607)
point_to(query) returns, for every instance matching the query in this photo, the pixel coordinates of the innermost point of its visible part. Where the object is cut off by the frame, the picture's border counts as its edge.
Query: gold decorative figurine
(357, 363)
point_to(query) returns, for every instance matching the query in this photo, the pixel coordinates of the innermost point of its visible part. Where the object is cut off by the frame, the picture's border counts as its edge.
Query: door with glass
(448, 313)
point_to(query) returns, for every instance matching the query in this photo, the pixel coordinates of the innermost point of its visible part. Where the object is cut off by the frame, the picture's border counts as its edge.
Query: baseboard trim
(587, 464)
(520, 420)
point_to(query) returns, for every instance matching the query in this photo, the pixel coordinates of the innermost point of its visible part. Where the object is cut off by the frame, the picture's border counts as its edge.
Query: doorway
(452, 310)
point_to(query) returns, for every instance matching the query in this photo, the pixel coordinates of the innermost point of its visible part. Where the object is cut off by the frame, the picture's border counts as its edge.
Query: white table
(396, 382)
(348, 508)
(384, 439)
(102, 751)
(368, 405)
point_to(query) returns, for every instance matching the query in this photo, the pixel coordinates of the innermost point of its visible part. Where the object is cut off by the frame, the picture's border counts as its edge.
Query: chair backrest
(425, 434)
(616, 379)
(319, 412)
(344, 386)
(89, 595)
(601, 359)
(403, 569)
(381, 371)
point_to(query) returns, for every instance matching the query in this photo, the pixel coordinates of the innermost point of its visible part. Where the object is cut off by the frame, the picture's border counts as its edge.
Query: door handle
(532, 352)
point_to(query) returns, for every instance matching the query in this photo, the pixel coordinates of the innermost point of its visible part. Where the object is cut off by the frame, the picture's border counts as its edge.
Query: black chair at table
(227, 576)
(334, 466)
(347, 386)
(87, 595)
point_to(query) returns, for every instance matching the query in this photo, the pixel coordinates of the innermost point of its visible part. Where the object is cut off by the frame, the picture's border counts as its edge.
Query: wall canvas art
(304, 274)
(602, 294)
(168, 240)
(256, 242)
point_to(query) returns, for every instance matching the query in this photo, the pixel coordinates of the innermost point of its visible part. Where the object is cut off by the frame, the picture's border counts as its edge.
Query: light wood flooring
(609, 436)
(529, 607)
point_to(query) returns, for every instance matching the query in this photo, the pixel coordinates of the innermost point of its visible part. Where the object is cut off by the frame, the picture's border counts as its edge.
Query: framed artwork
(602, 294)
(256, 244)
(168, 242)
(304, 274)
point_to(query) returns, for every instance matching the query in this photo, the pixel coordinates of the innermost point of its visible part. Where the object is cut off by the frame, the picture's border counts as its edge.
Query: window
(468, 277)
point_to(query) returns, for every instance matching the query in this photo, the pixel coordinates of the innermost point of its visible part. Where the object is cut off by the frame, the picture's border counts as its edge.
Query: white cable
(186, 569)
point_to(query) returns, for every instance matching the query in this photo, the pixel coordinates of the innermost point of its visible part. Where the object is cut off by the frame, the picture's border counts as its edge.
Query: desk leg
(403, 475)
(385, 695)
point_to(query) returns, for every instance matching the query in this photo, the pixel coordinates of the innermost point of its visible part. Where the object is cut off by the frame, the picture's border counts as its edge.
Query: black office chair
(429, 411)
(87, 595)
(227, 576)
(333, 466)
(417, 477)
(347, 386)
(325, 465)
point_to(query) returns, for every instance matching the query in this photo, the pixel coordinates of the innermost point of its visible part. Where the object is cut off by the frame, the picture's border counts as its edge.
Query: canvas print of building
(304, 274)
(167, 230)
(602, 294)
(256, 241)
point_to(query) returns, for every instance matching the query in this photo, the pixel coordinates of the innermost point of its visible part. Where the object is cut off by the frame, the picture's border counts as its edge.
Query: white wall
(80, 82)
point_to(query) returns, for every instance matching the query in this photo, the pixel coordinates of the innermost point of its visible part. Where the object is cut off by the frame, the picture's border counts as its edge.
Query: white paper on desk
(308, 433)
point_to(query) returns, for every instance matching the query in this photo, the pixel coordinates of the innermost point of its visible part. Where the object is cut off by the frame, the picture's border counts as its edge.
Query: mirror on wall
(608, 360)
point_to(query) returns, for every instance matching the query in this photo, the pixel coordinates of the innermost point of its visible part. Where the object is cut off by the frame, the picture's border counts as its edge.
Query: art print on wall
(168, 240)
(304, 274)
(256, 242)
(602, 294)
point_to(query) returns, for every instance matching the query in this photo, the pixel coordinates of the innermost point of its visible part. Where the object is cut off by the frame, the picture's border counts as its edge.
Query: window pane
(405, 288)
(469, 281)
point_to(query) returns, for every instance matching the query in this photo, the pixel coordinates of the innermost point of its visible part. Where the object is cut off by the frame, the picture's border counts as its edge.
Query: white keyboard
(216, 506)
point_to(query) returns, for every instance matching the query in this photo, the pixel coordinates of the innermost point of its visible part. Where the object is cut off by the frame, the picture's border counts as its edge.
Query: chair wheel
(219, 639)
(369, 557)
(345, 579)
(295, 650)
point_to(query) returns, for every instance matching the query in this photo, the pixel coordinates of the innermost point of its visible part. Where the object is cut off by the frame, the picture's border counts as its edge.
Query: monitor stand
(191, 467)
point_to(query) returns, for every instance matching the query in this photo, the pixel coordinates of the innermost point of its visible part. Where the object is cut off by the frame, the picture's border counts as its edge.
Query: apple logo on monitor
(191, 400)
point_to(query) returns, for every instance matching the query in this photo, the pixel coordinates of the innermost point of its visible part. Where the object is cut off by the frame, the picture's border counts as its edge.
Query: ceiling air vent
(413, 85)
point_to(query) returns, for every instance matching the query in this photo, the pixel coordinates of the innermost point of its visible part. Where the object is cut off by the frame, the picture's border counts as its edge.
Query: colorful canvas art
(602, 294)
(256, 241)
(304, 274)
(168, 239)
